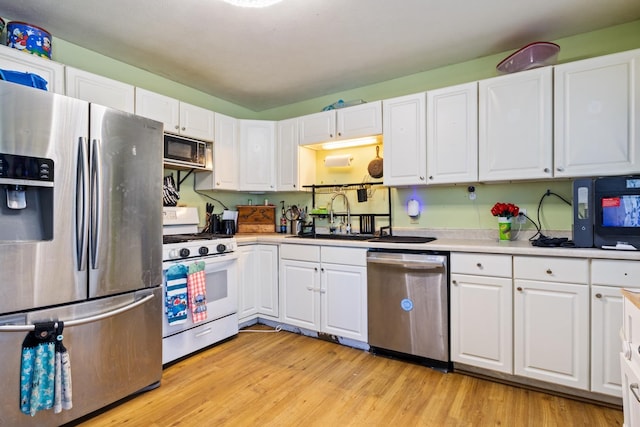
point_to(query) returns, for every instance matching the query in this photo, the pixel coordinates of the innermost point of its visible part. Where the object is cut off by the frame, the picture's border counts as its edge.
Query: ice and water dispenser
(26, 205)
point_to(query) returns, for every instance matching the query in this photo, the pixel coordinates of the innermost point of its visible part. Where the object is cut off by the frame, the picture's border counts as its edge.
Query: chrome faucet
(346, 202)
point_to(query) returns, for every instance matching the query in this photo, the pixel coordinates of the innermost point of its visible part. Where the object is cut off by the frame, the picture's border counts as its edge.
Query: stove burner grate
(180, 238)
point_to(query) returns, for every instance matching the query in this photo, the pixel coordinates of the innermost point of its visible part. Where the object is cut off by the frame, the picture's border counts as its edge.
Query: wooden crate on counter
(256, 219)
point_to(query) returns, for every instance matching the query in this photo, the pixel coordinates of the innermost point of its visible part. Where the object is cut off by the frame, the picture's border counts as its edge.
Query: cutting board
(256, 219)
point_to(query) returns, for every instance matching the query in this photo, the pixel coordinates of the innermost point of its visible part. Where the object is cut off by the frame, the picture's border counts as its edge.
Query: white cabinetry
(608, 277)
(325, 289)
(225, 157)
(551, 320)
(515, 126)
(296, 165)
(597, 116)
(53, 72)
(257, 155)
(452, 134)
(258, 281)
(100, 90)
(481, 311)
(405, 140)
(630, 360)
(178, 117)
(344, 123)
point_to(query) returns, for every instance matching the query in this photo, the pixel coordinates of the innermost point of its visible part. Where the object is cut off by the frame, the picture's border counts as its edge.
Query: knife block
(256, 219)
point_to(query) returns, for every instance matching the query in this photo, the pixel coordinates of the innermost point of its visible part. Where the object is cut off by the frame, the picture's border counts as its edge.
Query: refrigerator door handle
(96, 200)
(83, 321)
(82, 195)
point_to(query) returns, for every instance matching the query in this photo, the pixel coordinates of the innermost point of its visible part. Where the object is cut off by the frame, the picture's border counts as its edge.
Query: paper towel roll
(338, 161)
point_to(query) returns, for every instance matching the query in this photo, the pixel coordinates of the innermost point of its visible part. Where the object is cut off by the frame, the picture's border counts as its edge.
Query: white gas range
(183, 248)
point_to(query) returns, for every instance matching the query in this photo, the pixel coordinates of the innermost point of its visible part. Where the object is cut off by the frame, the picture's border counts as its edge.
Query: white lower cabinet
(258, 281)
(551, 320)
(606, 321)
(481, 311)
(324, 289)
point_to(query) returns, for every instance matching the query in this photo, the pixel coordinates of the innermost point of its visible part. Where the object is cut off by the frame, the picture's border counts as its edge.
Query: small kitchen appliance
(185, 152)
(183, 245)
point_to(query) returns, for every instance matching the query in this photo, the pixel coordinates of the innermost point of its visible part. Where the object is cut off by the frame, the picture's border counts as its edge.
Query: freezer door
(40, 245)
(110, 358)
(125, 245)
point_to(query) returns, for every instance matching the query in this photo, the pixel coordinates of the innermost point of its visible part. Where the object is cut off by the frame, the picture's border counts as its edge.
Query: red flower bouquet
(506, 210)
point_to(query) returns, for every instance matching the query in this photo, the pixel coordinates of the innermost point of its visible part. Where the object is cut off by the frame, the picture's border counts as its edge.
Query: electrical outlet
(520, 219)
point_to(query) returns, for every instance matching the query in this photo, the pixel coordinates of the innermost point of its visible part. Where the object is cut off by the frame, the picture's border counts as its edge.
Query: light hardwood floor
(285, 379)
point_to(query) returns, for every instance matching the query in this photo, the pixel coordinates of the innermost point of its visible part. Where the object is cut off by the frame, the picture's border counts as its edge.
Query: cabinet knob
(315, 268)
(455, 282)
(184, 128)
(217, 183)
(560, 169)
(176, 127)
(322, 269)
(546, 170)
(330, 135)
(430, 176)
(519, 289)
(479, 265)
(422, 178)
(598, 295)
(339, 133)
(549, 271)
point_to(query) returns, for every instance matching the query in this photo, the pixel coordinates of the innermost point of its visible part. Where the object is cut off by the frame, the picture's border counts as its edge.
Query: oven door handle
(411, 265)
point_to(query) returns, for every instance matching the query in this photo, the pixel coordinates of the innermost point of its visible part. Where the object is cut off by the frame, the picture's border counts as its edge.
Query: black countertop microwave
(185, 152)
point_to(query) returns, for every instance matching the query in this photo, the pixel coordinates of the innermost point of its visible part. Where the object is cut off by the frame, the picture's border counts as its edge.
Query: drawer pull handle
(598, 295)
(205, 332)
(519, 288)
(634, 389)
(479, 265)
(549, 271)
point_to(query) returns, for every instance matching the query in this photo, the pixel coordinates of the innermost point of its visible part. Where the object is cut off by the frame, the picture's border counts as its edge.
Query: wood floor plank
(285, 379)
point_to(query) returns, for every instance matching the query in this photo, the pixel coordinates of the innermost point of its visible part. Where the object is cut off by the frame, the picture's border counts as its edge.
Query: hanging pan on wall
(375, 165)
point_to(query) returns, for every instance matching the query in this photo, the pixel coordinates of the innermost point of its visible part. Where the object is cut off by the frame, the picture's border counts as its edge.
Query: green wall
(444, 207)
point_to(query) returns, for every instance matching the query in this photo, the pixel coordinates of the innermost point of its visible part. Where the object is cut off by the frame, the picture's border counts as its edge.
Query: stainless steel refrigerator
(81, 243)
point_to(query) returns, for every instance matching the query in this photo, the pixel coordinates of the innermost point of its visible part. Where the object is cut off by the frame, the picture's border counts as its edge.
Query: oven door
(221, 273)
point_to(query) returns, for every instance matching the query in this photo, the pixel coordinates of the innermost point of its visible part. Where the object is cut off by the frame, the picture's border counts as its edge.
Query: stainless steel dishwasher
(408, 305)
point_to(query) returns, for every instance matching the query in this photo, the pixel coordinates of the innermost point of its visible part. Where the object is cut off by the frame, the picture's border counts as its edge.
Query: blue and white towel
(176, 294)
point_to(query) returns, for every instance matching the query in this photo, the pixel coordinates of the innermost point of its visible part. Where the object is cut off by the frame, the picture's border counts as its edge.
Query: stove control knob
(221, 248)
(184, 252)
(203, 250)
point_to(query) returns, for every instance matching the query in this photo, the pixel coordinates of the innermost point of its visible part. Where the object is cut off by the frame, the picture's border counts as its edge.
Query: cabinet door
(100, 90)
(481, 322)
(551, 332)
(405, 140)
(257, 155)
(359, 121)
(300, 286)
(515, 126)
(287, 141)
(597, 116)
(52, 72)
(196, 122)
(606, 321)
(317, 127)
(159, 107)
(225, 157)
(247, 282)
(344, 301)
(267, 279)
(630, 392)
(452, 134)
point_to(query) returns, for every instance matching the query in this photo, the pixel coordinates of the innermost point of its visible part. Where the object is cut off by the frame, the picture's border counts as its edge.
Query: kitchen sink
(358, 237)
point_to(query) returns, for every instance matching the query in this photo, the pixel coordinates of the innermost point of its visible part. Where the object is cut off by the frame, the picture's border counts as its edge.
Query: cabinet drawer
(615, 273)
(481, 264)
(300, 252)
(348, 256)
(568, 270)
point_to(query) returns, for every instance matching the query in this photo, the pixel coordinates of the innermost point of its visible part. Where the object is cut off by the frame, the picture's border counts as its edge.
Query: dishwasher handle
(411, 265)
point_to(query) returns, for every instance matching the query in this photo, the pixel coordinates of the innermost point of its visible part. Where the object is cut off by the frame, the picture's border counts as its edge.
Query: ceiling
(301, 49)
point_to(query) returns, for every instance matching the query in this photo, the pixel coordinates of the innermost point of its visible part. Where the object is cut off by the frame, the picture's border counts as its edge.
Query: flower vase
(504, 228)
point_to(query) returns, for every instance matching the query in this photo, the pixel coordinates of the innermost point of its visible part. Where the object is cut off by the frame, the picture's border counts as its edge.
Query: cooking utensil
(375, 165)
(367, 224)
(362, 194)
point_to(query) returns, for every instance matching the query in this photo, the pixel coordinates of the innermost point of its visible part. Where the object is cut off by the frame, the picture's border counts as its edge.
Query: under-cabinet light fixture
(252, 3)
(356, 142)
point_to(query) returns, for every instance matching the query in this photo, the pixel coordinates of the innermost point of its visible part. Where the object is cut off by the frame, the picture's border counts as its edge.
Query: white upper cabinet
(452, 134)
(296, 166)
(405, 140)
(597, 116)
(344, 123)
(257, 155)
(515, 126)
(100, 90)
(53, 72)
(225, 157)
(178, 117)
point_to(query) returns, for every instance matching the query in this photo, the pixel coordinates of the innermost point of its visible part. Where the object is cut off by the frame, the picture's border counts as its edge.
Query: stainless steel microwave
(181, 151)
